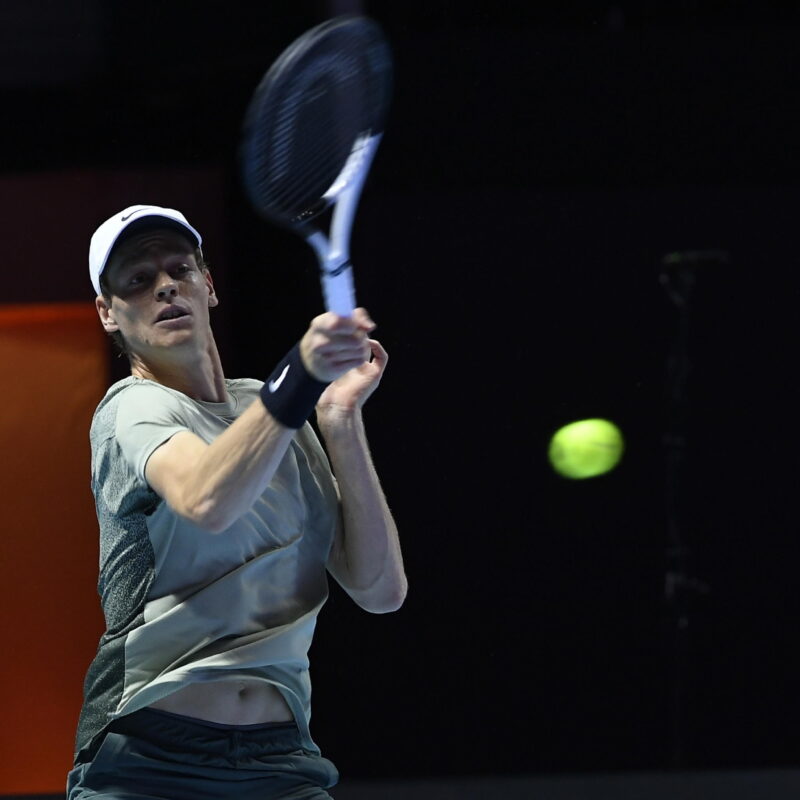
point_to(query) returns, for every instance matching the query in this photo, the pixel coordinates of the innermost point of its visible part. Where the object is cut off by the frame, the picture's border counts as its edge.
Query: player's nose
(165, 286)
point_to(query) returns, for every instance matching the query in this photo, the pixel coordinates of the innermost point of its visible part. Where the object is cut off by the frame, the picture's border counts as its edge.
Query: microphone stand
(678, 277)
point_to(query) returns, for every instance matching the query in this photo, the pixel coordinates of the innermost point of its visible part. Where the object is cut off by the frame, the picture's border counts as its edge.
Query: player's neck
(198, 375)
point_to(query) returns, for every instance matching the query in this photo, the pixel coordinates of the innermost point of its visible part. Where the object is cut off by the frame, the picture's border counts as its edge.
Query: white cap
(106, 236)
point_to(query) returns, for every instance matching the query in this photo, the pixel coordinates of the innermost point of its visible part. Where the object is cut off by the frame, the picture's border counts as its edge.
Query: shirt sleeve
(147, 416)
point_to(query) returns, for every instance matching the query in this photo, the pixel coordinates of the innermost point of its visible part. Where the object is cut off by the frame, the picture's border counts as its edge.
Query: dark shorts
(155, 754)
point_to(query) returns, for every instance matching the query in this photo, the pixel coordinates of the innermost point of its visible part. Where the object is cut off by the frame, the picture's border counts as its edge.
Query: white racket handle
(338, 290)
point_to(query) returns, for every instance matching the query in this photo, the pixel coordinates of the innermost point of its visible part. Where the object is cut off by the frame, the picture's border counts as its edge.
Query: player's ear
(106, 314)
(213, 300)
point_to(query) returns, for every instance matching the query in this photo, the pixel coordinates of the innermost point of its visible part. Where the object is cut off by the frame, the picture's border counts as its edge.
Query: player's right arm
(212, 485)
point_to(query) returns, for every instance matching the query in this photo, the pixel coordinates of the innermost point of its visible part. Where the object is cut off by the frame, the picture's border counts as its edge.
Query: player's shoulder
(107, 407)
(128, 393)
(134, 390)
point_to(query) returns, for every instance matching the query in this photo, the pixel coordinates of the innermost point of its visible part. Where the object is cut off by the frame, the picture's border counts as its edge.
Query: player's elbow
(390, 598)
(205, 514)
(215, 521)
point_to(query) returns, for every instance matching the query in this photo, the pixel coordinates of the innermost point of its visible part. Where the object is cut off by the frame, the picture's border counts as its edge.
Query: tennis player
(220, 518)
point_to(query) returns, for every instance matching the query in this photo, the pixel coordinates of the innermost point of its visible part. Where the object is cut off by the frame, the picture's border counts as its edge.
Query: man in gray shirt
(220, 517)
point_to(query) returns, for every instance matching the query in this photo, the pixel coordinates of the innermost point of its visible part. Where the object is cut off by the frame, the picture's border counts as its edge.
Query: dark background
(540, 161)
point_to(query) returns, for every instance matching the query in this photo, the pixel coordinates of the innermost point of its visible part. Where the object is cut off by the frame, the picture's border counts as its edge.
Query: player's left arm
(365, 558)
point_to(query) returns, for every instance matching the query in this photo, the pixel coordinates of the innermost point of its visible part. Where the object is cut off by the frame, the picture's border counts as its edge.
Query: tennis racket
(309, 137)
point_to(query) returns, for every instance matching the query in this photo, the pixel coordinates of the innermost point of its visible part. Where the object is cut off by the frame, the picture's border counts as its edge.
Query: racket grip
(338, 290)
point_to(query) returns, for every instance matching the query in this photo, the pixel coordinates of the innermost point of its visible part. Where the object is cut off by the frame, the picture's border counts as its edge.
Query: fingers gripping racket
(310, 134)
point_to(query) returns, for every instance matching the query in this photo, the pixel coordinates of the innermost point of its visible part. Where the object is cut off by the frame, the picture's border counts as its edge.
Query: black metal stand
(678, 277)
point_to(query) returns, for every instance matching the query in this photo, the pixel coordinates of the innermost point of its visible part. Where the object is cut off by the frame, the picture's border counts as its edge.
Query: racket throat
(338, 289)
(336, 271)
(336, 275)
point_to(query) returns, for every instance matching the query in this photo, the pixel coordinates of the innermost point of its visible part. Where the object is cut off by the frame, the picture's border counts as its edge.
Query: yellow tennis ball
(586, 448)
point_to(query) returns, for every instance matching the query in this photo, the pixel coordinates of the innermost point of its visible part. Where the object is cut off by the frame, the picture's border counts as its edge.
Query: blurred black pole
(679, 274)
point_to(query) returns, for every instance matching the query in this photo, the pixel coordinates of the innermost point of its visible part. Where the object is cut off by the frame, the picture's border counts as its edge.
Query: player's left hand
(349, 392)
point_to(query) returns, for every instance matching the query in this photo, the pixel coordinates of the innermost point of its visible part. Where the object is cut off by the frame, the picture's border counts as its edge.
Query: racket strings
(299, 172)
(306, 119)
(305, 172)
(311, 140)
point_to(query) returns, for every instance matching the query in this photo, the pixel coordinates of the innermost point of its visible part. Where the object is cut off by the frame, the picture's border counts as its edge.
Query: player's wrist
(337, 422)
(291, 392)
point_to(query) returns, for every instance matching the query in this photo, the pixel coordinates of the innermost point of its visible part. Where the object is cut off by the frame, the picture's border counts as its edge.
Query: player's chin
(174, 338)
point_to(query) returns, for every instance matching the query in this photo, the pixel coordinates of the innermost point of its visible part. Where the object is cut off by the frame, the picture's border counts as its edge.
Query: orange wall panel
(53, 370)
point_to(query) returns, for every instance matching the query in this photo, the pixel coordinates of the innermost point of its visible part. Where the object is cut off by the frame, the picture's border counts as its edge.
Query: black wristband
(290, 393)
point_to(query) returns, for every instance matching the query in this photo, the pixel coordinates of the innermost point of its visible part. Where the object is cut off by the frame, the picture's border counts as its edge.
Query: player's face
(159, 295)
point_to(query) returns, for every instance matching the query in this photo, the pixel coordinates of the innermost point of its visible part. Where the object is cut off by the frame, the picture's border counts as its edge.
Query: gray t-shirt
(183, 605)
